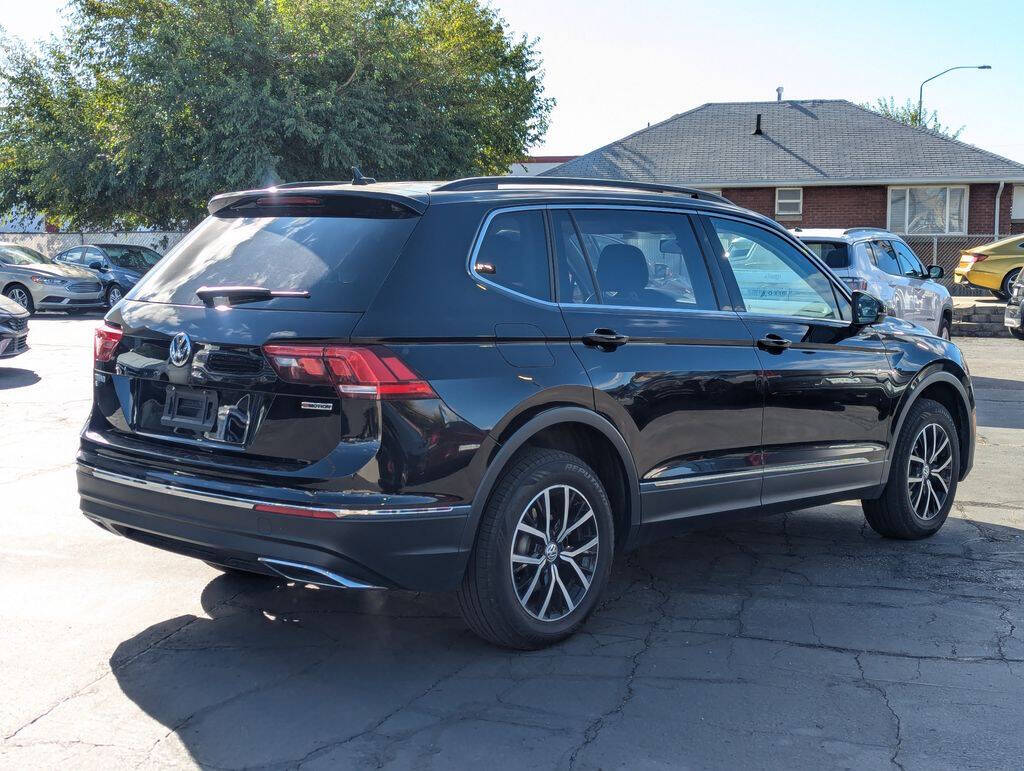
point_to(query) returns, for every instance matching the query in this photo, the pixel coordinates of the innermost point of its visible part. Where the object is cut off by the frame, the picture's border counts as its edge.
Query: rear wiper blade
(234, 295)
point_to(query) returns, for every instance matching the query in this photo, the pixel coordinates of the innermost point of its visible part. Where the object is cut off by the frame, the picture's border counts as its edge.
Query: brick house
(822, 163)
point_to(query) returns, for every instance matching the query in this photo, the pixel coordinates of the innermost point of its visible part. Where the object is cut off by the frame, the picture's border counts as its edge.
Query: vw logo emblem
(181, 349)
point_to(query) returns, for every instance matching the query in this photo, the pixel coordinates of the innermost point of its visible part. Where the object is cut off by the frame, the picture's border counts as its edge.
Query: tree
(143, 109)
(908, 113)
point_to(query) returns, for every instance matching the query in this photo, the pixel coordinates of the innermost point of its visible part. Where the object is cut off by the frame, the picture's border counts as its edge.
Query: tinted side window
(885, 257)
(575, 279)
(72, 255)
(514, 253)
(772, 275)
(911, 264)
(645, 259)
(834, 254)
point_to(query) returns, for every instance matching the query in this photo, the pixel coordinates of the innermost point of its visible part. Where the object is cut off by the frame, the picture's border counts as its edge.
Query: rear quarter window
(835, 255)
(340, 253)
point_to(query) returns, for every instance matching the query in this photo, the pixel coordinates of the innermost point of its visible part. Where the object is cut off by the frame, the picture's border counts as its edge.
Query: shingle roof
(820, 141)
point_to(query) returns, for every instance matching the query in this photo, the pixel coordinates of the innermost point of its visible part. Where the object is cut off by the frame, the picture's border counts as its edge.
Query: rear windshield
(833, 253)
(339, 253)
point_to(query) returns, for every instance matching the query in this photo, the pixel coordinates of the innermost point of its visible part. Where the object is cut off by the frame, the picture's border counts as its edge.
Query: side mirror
(936, 272)
(867, 309)
(96, 265)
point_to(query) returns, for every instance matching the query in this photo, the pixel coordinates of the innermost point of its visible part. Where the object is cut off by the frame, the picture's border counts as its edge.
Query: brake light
(371, 372)
(970, 259)
(105, 342)
(857, 284)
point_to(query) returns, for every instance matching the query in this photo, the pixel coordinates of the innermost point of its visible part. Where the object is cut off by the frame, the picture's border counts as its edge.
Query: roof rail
(848, 231)
(492, 183)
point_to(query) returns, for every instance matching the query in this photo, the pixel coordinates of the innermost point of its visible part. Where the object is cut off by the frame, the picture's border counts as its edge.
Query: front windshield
(22, 255)
(132, 257)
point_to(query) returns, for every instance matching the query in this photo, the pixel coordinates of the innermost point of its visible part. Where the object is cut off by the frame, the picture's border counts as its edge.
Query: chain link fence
(51, 244)
(945, 251)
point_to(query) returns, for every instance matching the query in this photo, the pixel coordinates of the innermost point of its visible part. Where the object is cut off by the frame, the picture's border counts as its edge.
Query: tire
(564, 588)
(114, 291)
(22, 296)
(945, 330)
(900, 511)
(1017, 332)
(1006, 288)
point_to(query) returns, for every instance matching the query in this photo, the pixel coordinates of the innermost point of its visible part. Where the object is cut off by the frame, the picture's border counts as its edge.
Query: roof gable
(803, 142)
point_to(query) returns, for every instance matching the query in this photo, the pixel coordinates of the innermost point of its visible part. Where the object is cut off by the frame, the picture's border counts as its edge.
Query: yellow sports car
(992, 266)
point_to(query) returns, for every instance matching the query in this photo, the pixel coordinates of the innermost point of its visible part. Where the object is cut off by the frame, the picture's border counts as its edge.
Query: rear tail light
(372, 372)
(105, 342)
(970, 259)
(857, 284)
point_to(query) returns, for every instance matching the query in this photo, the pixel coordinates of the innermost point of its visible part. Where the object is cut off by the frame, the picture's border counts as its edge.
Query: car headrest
(622, 268)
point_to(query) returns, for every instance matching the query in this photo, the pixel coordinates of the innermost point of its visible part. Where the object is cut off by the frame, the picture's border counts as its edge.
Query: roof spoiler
(415, 203)
(493, 183)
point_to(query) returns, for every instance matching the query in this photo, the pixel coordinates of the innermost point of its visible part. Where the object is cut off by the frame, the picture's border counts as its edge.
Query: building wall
(847, 206)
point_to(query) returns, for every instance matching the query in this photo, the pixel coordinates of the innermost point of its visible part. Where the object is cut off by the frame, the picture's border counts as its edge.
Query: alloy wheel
(929, 471)
(554, 553)
(114, 296)
(19, 296)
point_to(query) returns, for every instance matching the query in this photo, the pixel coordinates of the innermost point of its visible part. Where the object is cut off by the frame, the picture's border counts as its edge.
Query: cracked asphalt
(798, 641)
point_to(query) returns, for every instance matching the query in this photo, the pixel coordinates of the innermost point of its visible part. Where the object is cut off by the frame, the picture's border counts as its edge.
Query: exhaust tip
(311, 574)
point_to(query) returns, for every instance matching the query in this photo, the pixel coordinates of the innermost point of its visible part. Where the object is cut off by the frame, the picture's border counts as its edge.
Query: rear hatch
(183, 374)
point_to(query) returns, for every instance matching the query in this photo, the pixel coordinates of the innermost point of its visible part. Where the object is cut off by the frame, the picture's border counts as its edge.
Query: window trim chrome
(485, 225)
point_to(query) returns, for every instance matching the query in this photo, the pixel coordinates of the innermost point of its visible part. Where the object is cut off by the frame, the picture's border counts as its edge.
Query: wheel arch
(565, 427)
(946, 388)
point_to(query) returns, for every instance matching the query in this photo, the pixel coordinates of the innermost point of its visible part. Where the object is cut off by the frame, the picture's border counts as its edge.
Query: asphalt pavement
(798, 641)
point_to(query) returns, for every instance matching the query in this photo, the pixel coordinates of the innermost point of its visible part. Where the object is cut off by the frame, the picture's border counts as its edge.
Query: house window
(1017, 212)
(928, 210)
(789, 201)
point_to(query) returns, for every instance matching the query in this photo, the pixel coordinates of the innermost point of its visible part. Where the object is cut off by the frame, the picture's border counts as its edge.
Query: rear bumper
(411, 549)
(976, 279)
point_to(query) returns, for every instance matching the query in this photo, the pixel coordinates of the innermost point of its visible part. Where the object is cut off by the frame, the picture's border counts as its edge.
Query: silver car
(880, 263)
(37, 283)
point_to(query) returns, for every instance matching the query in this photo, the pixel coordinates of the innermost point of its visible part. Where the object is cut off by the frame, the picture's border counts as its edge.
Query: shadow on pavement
(15, 377)
(804, 638)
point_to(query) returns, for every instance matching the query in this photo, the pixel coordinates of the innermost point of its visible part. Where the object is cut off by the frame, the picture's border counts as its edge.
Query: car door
(827, 383)
(901, 300)
(926, 305)
(672, 366)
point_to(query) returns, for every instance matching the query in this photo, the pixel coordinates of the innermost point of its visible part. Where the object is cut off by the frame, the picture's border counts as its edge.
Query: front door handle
(605, 339)
(773, 343)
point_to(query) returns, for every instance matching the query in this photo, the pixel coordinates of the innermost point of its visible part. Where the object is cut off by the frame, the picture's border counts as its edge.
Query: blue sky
(615, 66)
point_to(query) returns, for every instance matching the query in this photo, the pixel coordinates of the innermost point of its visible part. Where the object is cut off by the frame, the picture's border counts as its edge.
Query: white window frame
(799, 202)
(906, 208)
(1017, 206)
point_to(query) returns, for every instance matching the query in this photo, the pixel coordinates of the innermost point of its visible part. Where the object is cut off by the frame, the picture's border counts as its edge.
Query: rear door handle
(774, 343)
(605, 339)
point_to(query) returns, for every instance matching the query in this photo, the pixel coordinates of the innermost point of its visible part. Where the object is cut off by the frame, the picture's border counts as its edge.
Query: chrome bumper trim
(248, 503)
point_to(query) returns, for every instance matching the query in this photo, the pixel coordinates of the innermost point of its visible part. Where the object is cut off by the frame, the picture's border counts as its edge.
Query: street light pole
(920, 91)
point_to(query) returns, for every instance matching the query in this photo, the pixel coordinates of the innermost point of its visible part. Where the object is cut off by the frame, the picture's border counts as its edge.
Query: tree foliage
(908, 113)
(145, 108)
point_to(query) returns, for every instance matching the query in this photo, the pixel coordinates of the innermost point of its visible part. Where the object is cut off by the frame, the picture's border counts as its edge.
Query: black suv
(494, 385)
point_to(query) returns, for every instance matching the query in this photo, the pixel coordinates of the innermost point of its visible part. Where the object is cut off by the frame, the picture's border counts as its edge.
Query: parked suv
(881, 263)
(495, 385)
